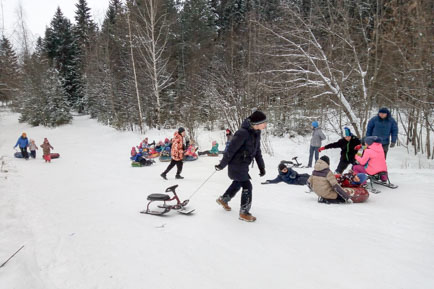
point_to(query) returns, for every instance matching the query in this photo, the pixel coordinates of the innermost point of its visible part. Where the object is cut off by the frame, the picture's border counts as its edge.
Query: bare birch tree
(152, 31)
(330, 55)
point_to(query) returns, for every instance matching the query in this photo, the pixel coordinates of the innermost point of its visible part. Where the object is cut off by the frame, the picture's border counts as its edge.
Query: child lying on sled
(288, 176)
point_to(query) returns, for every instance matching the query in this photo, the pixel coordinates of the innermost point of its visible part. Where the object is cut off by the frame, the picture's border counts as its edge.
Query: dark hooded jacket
(290, 177)
(244, 147)
(383, 128)
(347, 148)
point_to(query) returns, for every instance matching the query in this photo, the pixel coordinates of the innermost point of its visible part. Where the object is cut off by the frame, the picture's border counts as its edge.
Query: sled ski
(179, 206)
(185, 211)
(374, 190)
(386, 184)
(376, 179)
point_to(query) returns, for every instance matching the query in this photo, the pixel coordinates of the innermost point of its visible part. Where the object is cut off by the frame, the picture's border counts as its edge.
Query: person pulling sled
(244, 147)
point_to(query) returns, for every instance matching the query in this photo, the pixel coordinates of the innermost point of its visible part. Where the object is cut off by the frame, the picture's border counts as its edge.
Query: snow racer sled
(376, 179)
(294, 165)
(164, 208)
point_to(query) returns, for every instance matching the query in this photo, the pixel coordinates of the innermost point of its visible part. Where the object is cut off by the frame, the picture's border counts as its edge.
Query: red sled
(55, 155)
(358, 194)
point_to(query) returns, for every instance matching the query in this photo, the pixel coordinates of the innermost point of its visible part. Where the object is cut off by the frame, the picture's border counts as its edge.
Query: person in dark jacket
(23, 143)
(289, 176)
(349, 146)
(384, 126)
(244, 147)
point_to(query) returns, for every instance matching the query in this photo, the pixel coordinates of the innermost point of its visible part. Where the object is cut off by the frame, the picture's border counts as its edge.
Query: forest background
(208, 63)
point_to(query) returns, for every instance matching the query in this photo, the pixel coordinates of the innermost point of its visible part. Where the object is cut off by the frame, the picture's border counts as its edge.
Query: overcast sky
(38, 14)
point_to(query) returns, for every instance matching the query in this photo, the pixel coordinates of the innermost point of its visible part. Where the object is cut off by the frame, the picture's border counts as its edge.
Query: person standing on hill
(23, 143)
(244, 147)
(46, 150)
(177, 154)
(315, 142)
(349, 146)
(384, 126)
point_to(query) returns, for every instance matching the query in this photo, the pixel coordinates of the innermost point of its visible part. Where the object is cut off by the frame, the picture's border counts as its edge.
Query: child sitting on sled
(289, 176)
(373, 160)
(159, 147)
(190, 153)
(133, 153)
(214, 151)
(352, 179)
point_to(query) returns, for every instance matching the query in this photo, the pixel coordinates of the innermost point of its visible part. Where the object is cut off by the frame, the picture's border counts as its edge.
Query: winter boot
(247, 217)
(223, 204)
(179, 177)
(163, 175)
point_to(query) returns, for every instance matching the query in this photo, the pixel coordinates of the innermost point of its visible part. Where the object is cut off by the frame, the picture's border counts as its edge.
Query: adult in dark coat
(289, 176)
(349, 146)
(244, 148)
(384, 126)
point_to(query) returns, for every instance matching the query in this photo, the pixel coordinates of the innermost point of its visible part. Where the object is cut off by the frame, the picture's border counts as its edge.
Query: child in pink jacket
(373, 160)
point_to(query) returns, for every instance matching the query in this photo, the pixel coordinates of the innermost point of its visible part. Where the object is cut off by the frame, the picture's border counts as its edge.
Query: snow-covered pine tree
(85, 34)
(9, 71)
(32, 100)
(57, 107)
(63, 54)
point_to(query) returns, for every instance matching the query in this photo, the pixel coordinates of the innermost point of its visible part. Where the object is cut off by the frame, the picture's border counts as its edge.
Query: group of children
(145, 151)
(23, 143)
(382, 129)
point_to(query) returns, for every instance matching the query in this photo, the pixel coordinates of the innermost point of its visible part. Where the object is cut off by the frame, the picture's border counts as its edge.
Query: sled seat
(158, 197)
(379, 177)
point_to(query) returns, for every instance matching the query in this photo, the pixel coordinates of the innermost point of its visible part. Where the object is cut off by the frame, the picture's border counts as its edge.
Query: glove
(321, 149)
(261, 172)
(266, 182)
(218, 167)
(392, 145)
(357, 147)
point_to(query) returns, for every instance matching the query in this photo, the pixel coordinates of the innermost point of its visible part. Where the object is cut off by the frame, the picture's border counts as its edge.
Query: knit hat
(326, 159)
(315, 124)
(371, 139)
(181, 130)
(383, 110)
(362, 178)
(347, 131)
(282, 166)
(257, 117)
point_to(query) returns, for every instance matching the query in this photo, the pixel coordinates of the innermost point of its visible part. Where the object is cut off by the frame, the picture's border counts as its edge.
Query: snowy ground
(78, 219)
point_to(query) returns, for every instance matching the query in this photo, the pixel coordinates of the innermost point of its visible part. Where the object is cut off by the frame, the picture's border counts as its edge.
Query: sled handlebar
(171, 189)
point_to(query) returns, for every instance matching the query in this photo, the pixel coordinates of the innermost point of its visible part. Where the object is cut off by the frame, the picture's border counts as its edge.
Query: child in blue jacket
(23, 143)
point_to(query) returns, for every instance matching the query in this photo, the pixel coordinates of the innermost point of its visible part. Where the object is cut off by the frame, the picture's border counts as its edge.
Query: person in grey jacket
(315, 142)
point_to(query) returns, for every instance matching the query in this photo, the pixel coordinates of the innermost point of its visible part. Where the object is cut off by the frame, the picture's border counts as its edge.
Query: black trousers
(33, 154)
(172, 164)
(24, 153)
(343, 164)
(246, 196)
(385, 149)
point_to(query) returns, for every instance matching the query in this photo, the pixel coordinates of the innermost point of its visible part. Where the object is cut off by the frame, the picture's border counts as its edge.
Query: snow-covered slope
(78, 219)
